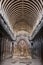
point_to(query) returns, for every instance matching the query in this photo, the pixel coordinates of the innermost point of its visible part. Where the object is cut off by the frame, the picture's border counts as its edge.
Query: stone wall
(38, 44)
(5, 44)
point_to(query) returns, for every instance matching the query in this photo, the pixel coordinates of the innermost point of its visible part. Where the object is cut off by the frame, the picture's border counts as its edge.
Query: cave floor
(11, 61)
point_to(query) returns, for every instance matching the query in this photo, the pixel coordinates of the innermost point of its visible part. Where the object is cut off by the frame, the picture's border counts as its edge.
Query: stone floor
(21, 62)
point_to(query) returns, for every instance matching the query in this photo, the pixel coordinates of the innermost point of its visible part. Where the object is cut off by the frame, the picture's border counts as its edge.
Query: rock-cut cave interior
(21, 32)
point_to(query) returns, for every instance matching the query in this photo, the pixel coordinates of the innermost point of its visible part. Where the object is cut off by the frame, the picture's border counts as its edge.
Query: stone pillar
(12, 48)
(0, 51)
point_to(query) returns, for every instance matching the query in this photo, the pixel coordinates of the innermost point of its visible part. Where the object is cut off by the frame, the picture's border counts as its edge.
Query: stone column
(12, 48)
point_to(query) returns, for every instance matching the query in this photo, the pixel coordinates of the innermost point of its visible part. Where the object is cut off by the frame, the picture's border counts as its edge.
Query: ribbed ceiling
(22, 14)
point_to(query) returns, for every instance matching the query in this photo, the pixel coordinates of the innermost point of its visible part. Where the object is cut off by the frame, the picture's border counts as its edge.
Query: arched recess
(22, 49)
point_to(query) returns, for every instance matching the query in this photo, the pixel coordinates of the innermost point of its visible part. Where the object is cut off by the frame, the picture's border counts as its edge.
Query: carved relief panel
(22, 49)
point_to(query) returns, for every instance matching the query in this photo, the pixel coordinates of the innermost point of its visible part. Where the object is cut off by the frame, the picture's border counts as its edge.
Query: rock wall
(38, 44)
(5, 44)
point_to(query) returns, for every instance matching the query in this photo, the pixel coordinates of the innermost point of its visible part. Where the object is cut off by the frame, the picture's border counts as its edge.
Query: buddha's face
(22, 44)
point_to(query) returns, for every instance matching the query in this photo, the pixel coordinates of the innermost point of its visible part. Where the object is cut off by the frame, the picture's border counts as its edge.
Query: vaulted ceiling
(23, 14)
